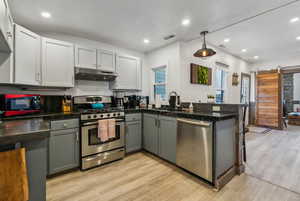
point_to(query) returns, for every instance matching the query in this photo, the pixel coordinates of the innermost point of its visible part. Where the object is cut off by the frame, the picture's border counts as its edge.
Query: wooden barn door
(268, 99)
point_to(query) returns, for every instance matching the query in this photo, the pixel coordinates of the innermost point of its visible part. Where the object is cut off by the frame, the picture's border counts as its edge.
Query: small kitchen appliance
(95, 152)
(174, 100)
(19, 104)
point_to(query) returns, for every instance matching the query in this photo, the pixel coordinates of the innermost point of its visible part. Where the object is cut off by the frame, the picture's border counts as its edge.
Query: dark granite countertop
(208, 116)
(48, 116)
(23, 130)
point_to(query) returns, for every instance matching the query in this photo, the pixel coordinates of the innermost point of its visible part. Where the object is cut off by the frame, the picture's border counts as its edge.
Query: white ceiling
(127, 22)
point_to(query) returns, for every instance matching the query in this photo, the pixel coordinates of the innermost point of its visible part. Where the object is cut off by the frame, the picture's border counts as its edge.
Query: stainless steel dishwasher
(194, 147)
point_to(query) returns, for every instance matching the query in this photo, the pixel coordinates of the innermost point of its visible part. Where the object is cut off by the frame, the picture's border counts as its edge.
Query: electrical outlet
(216, 108)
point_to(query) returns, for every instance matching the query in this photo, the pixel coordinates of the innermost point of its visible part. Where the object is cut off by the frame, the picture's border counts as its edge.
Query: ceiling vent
(169, 37)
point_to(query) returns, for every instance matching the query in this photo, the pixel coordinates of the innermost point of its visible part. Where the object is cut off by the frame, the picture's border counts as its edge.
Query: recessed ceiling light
(45, 14)
(295, 19)
(298, 38)
(244, 50)
(227, 40)
(186, 22)
(146, 41)
(256, 57)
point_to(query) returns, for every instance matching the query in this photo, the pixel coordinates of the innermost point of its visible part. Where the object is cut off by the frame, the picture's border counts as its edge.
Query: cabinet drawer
(133, 117)
(64, 124)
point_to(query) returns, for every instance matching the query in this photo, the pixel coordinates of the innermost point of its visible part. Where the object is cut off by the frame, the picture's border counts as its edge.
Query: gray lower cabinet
(150, 133)
(36, 161)
(133, 136)
(225, 145)
(63, 152)
(159, 136)
(167, 138)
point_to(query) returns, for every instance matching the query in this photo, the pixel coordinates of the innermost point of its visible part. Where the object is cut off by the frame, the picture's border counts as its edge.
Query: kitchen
(91, 111)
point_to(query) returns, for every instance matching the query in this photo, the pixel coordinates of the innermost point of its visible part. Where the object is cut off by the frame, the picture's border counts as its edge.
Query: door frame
(242, 76)
(249, 76)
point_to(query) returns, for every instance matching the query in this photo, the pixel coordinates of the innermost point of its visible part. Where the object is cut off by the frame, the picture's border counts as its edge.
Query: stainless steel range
(94, 151)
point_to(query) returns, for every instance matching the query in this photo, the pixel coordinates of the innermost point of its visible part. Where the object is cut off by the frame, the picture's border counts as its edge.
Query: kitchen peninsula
(31, 134)
(164, 132)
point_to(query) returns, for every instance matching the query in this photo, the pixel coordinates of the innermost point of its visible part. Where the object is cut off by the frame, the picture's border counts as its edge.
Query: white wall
(170, 56)
(178, 56)
(195, 92)
(87, 87)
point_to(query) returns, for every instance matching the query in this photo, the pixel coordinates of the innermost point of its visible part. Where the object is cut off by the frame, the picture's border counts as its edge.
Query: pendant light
(204, 52)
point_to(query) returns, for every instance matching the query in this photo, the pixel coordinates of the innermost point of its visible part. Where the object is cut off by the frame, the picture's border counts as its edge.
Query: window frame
(161, 83)
(224, 83)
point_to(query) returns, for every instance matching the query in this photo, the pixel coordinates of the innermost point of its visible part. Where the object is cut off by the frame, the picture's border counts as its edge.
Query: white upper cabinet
(129, 73)
(106, 60)
(85, 57)
(57, 63)
(6, 27)
(27, 57)
(10, 31)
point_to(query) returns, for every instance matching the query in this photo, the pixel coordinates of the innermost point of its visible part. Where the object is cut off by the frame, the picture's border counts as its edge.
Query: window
(220, 84)
(160, 82)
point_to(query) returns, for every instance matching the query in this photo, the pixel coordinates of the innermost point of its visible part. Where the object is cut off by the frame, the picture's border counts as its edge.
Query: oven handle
(96, 122)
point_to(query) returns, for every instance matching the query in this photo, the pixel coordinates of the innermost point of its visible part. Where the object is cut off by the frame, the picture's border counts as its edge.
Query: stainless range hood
(93, 74)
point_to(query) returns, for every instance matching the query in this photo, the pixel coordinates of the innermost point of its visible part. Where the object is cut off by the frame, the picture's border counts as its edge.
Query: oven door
(91, 144)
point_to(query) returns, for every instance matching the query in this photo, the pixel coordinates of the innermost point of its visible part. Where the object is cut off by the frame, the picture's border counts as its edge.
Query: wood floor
(275, 157)
(142, 177)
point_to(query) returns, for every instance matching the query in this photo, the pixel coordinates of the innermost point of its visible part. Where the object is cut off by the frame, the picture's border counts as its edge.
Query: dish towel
(111, 128)
(103, 130)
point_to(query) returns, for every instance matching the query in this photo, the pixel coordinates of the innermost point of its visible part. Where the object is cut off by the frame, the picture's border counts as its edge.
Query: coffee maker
(174, 100)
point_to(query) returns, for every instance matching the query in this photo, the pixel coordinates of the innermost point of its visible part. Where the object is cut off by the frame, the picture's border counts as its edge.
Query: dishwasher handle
(197, 123)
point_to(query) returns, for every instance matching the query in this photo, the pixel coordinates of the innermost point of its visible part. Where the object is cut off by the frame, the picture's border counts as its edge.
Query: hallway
(274, 157)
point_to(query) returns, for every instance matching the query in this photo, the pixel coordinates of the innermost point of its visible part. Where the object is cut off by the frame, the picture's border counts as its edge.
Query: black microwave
(19, 104)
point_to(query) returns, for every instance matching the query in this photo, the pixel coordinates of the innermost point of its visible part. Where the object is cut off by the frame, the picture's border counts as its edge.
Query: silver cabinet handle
(77, 136)
(197, 123)
(38, 76)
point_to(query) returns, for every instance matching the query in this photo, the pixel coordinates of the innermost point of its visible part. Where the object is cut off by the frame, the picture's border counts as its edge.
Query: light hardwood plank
(143, 177)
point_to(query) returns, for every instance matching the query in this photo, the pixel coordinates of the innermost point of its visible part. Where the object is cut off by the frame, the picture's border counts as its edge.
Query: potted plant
(210, 98)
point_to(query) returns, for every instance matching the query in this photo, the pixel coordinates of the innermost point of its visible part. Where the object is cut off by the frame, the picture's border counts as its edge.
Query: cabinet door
(9, 31)
(27, 57)
(85, 57)
(167, 138)
(150, 133)
(8, 25)
(128, 73)
(106, 60)
(133, 136)
(2, 14)
(57, 63)
(63, 150)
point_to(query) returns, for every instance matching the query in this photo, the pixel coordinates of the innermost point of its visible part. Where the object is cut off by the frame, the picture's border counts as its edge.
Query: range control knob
(95, 116)
(89, 116)
(119, 114)
(108, 115)
(101, 115)
(114, 114)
